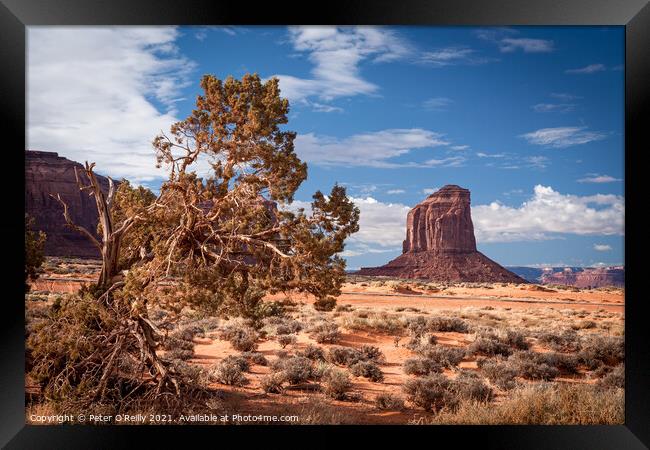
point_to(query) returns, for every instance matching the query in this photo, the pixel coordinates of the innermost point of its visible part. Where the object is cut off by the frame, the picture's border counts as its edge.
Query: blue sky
(530, 119)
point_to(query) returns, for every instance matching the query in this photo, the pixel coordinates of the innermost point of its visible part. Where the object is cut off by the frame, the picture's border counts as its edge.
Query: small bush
(469, 385)
(371, 353)
(614, 379)
(325, 304)
(296, 369)
(431, 393)
(239, 361)
(499, 372)
(516, 339)
(447, 324)
(272, 383)
(389, 401)
(180, 353)
(286, 339)
(421, 366)
(256, 358)
(609, 350)
(344, 356)
(445, 356)
(367, 369)
(229, 372)
(326, 332)
(489, 346)
(312, 352)
(241, 338)
(531, 368)
(337, 384)
(566, 341)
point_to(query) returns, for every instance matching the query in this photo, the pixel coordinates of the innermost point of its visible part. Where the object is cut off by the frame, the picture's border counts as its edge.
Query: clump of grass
(388, 401)
(296, 369)
(614, 379)
(312, 352)
(499, 372)
(445, 356)
(337, 384)
(443, 323)
(421, 366)
(367, 369)
(272, 383)
(228, 371)
(430, 393)
(286, 339)
(325, 332)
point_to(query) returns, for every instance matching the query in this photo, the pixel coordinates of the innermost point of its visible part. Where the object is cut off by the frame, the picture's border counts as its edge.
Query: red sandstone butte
(440, 244)
(48, 173)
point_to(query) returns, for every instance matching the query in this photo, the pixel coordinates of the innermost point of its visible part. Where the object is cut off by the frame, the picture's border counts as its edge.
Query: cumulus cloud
(596, 178)
(336, 54)
(591, 68)
(103, 93)
(547, 214)
(602, 247)
(373, 149)
(562, 137)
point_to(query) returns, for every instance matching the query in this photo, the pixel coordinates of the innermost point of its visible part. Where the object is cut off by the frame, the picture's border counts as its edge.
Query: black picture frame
(15, 15)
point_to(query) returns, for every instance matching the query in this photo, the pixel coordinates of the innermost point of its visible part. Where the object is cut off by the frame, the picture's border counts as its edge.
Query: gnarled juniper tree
(220, 234)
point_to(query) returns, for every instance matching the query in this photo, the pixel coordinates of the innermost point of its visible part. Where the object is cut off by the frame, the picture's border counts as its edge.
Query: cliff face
(442, 222)
(587, 278)
(440, 244)
(48, 173)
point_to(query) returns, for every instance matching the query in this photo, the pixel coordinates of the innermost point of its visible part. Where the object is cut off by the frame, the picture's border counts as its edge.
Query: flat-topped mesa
(440, 244)
(442, 223)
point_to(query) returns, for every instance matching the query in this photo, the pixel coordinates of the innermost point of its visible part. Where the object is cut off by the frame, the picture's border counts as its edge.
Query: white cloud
(564, 96)
(452, 56)
(380, 224)
(591, 68)
(319, 107)
(459, 147)
(490, 155)
(548, 213)
(437, 103)
(554, 107)
(395, 191)
(595, 178)
(509, 45)
(373, 149)
(429, 191)
(562, 137)
(92, 91)
(602, 247)
(336, 53)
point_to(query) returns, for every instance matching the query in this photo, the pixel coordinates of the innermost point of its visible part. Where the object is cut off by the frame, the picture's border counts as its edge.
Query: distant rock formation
(587, 277)
(440, 244)
(48, 173)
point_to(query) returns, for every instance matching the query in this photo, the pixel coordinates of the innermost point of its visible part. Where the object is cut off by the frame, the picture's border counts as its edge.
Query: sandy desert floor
(377, 312)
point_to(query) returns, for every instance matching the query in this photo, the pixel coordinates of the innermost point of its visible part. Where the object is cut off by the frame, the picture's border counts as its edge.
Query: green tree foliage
(34, 247)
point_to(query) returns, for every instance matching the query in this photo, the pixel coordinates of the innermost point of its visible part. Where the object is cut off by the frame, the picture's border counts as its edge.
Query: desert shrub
(286, 339)
(325, 332)
(565, 341)
(228, 371)
(319, 369)
(386, 400)
(176, 343)
(367, 369)
(516, 339)
(239, 361)
(531, 368)
(469, 385)
(344, 356)
(282, 330)
(337, 384)
(272, 383)
(325, 304)
(414, 344)
(188, 332)
(180, 353)
(312, 352)
(614, 379)
(489, 346)
(608, 350)
(371, 353)
(443, 323)
(564, 362)
(208, 324)
(256, 358)
(499, 372)
(430, 393)
(421, 366)
(344, 308)
(584, 325)
(445, 356)
(544, 403)
(241, 337)
(296, 369)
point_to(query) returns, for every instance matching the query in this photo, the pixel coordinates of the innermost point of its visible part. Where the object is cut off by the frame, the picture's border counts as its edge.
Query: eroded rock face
(440, 244)
(587, 278)
(48, 173)
(442, 222)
